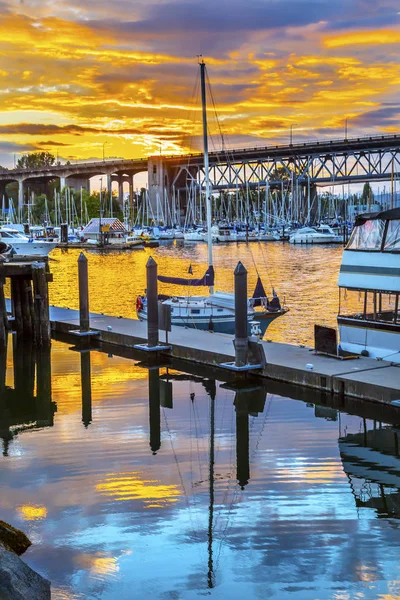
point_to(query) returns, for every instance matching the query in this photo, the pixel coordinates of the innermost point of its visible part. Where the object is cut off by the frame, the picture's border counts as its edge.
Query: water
(305, 276)
(121, 500)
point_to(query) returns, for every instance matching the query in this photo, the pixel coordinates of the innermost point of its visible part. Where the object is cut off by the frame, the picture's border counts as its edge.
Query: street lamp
(104, 143)
(345, 130)
(291, 133)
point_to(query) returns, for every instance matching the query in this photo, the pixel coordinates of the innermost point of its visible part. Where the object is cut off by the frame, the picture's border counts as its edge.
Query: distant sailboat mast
(206, 171)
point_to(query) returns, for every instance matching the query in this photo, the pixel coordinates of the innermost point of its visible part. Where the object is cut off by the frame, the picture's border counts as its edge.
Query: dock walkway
(364, 378)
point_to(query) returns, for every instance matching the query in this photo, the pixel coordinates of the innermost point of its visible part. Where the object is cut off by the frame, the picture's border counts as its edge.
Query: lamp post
(345, 130)
(100, 212)
(291, 133)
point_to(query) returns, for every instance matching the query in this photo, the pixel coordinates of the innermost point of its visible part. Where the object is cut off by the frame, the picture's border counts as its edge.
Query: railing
(283, 147)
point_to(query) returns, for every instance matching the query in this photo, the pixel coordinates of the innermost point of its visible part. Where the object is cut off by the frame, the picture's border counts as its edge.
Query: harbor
(199, 301)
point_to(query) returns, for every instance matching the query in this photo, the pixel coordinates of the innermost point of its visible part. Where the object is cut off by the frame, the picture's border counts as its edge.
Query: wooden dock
(363, 378)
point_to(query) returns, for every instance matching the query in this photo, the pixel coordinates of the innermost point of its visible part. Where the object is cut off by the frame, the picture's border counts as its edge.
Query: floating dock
(363, 378)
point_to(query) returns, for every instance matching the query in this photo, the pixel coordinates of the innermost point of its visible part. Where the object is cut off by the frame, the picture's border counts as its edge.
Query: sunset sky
(80, 76)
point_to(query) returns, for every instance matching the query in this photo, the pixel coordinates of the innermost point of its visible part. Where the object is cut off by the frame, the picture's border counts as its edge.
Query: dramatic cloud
(87, 77)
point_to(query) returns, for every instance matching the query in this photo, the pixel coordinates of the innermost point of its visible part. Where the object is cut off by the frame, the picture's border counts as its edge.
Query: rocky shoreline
(17, 580)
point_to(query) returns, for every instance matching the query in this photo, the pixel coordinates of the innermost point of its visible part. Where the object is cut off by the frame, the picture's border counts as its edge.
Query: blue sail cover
(206, 280)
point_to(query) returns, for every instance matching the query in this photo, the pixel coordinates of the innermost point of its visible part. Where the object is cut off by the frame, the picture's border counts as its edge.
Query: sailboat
(215, 312)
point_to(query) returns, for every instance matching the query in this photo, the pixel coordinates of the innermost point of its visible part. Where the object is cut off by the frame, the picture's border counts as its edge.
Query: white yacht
(24, 245)
(315, 235)
(194, 235)
(369, 288)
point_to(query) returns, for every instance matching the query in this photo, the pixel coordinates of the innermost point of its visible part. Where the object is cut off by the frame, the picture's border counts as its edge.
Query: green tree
(367, 196)
(36, 160)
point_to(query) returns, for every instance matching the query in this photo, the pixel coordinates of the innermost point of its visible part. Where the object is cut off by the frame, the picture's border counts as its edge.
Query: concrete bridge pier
(63, 183)
(20, 194)
(131, 189)
(109, 185)
(3, 192)
(158, 181)
(121, 190)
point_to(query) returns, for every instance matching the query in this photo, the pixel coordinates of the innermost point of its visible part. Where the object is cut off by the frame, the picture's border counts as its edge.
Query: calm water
(305, 276)
(213, 493)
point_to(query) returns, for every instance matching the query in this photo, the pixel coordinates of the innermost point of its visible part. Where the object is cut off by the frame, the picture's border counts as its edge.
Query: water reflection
(151, 482)
(21, 408)
(371, 461)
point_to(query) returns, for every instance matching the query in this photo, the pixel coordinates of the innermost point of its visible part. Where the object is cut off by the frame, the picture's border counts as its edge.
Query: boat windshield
(392, 241)
(367, 236)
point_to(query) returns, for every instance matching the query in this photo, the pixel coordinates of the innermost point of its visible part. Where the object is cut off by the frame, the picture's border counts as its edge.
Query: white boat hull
(378, 343)
(316, 239)
(33, 248)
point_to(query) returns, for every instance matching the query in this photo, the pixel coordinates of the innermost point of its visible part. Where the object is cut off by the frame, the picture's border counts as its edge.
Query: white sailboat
(216, 311)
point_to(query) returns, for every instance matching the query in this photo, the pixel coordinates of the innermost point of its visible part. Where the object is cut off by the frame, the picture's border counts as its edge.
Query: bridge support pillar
(3, 193)
(109, 186)
(20, 194)
(63, 183)
(158, 181)
(121, 191)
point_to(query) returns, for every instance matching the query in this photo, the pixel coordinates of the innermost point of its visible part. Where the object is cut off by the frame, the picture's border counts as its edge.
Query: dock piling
(152, 303)
(83, 293)
(42, 332)
(16, 305)
(241, 337)
(3, 317)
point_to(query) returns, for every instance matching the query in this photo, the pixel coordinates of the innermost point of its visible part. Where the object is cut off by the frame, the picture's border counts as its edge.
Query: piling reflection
(86, 388)
(20, 408)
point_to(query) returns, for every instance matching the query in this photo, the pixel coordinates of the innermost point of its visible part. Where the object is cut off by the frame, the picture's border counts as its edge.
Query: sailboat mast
(206, 167)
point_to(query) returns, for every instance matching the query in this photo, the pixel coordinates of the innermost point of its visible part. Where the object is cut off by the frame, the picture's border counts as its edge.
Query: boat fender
(139, 304)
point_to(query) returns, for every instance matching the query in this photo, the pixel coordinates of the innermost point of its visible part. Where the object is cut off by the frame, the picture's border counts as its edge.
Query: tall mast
(206, 172)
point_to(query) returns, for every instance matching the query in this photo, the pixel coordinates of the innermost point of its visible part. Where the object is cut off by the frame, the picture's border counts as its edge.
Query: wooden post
(3, 317)
(241, 337)
(83, 292)
(152, 303)
(25, 291)
(16, 305)
(41, 305)
(64, 233)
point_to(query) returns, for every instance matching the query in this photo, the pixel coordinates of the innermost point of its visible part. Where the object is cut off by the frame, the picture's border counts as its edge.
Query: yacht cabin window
(392, 241)
(367, 236)
(369, 305)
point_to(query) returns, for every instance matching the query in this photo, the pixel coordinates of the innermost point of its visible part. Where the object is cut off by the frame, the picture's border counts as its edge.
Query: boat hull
(220, 324)
(378, 339)
(33, 248)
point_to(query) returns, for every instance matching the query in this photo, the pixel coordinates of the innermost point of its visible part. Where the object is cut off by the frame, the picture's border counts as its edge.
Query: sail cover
(259, 293)
(206, 280)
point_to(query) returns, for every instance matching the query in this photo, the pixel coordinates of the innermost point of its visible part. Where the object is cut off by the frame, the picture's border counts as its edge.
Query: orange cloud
(365, 38)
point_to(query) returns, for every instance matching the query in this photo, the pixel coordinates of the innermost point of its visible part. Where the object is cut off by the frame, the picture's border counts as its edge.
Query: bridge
(326, 162)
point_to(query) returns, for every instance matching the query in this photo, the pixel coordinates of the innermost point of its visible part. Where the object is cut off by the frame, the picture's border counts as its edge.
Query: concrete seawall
(363, 378)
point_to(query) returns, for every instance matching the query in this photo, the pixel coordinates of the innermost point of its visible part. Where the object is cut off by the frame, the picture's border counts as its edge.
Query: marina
(199, 302)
